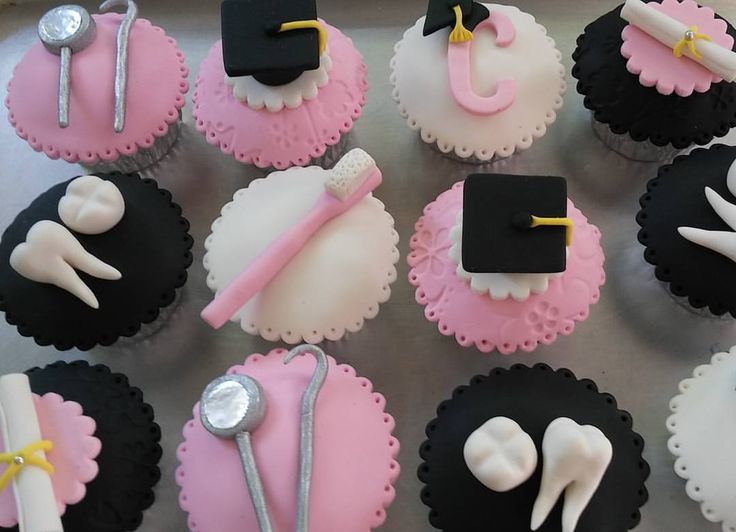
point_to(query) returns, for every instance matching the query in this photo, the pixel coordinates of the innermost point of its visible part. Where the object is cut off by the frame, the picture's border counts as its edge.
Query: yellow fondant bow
(26, 456)
(690, 39)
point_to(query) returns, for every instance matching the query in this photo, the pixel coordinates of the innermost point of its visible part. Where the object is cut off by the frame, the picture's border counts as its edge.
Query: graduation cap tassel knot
(459, 33)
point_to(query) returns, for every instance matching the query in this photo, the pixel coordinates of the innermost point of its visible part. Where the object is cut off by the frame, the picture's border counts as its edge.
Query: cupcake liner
(623, 144)
(144, 157)
(507, 325)
(684, 302)
(533, 397)
(470, 159)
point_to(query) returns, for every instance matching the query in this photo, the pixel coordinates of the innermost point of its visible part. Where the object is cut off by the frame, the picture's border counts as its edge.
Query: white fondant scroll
(670, 32)
(723, 242)
(91, 205)
(256, 95)
(51, 253)
(34, 494)
(500, 454)
(575, 459)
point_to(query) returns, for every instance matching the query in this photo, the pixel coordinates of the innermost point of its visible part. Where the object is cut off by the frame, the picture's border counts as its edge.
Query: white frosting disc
(335, 282)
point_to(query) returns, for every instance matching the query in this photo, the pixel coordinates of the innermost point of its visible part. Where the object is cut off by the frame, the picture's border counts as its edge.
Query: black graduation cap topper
(461, 15)
(271, 40)
(515, 224)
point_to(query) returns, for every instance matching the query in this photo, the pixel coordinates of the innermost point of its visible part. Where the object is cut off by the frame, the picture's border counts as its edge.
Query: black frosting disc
(128, 461)
(533, 397)
(150, 246)
(618, 99)
(675, 198)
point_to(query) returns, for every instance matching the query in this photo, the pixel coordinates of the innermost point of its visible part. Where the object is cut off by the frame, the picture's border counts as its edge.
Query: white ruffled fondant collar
(498, 286)
(306, 87)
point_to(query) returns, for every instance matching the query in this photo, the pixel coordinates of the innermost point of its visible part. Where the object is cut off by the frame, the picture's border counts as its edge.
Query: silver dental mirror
(66, 30)
(232, 407)
(121, 57)
(306, 441)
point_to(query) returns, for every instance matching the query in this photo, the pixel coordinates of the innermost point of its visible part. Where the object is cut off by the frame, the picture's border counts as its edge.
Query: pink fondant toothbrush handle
(278, 254)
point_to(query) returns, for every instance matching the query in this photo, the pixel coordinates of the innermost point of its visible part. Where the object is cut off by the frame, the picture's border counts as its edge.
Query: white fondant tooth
(731, 178)
(723, 242)
(724, 209)
(500, 454)
(91, 205)
(349, 172)
(50, 254)
(575, 459)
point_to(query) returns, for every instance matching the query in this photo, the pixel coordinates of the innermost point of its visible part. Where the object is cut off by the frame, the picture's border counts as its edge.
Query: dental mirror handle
(253, 479)
(65, 68)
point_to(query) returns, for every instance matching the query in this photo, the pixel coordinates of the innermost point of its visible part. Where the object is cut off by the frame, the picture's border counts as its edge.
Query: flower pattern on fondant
(291, 136)
(508, 325)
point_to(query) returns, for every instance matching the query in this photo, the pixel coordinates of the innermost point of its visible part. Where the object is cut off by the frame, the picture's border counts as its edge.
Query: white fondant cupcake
(481, 98)
(285, 277)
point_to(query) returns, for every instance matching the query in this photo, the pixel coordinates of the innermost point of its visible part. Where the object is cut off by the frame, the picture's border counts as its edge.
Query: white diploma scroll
(721, 61)
(34, 494)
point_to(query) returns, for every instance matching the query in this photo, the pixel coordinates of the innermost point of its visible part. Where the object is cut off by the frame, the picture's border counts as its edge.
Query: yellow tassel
(26, 456)
(690, 40)
(567, 223)
(459, 33)
(308, 24)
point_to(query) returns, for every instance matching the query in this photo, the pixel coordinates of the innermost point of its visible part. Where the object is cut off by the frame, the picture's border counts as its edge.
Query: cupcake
(703, 434)
(80, 450)
(318, 440)
(119, 108)
(517, 79)
(687, 220)
(658, 77)
(303, 254)
(505, 262)
(94, 259)
(532, 449)
(281, 88)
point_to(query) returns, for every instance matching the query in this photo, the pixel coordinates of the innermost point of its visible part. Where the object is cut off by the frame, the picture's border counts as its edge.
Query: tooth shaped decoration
(50, 255)
(731, 178)
(575, 459)
(91, 205)
(500, 454)
(723, 242)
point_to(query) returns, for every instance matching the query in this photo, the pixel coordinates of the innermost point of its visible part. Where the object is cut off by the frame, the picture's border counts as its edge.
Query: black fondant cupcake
(532, 448)
(687, 219)
(103, 443)
(648, 103)
(92, 260)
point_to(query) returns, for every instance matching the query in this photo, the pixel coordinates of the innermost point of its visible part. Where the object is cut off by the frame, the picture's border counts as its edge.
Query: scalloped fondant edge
(446, 146)
(111, 154)
(680, 465)
(318, 150)
(423, 467)
(380, 400)
(334, 333)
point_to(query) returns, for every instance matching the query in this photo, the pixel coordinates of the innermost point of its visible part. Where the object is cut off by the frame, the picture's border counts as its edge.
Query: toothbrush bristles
(349, 173)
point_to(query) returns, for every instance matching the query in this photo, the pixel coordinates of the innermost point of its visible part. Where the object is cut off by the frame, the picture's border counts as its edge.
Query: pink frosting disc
(505, 325)
(73, 455)
(657, 66)
(157, 83)
(355, 463)
(290, 137)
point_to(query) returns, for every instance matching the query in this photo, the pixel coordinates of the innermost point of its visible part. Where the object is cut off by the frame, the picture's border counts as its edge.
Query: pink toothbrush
(353, 178)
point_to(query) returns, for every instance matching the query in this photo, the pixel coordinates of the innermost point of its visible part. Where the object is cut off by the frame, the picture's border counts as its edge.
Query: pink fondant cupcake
(281, 88)
(352, 463)
(505, 262)
(96, 128)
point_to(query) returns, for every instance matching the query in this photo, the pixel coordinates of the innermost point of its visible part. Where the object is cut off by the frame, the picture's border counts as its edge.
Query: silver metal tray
(638, 344)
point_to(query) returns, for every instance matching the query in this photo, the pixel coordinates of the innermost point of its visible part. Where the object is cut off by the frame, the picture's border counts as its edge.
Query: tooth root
(88, 263)
(67, 279)
(731, 178)
(723, 242)
(575, 460)
(724, 209)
